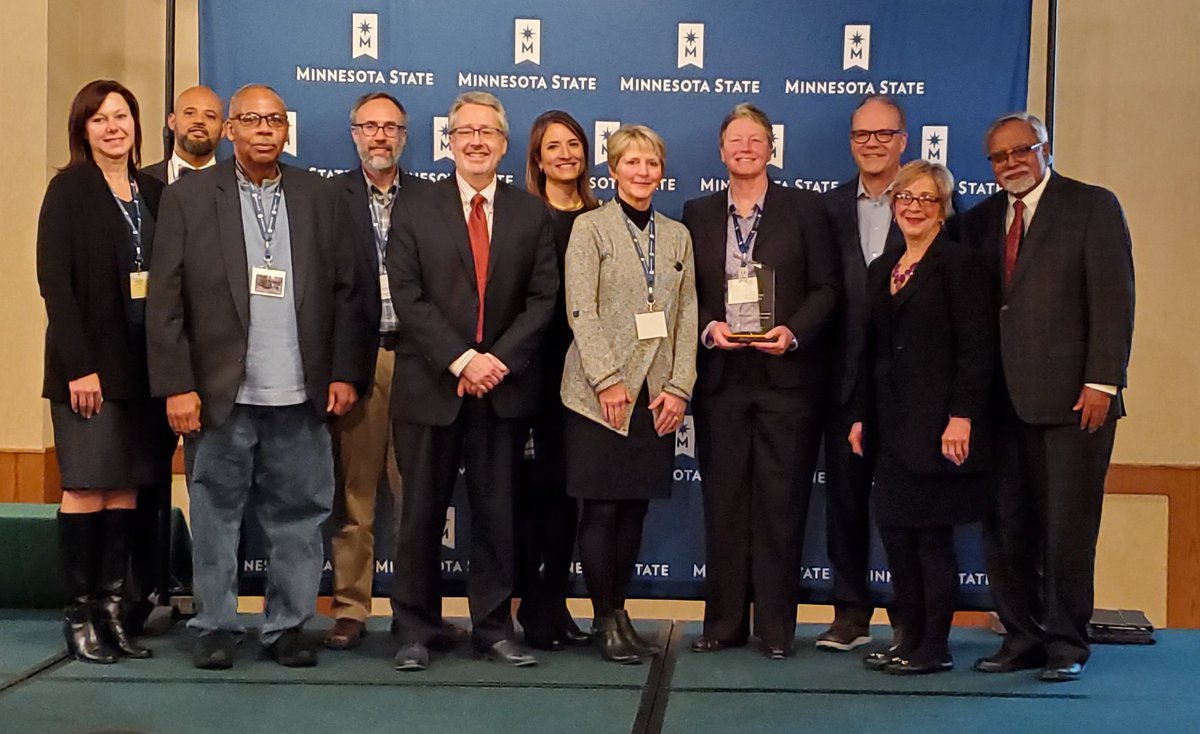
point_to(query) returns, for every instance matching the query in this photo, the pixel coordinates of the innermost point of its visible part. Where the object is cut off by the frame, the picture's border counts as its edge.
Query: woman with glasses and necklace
(95, 236)
(631, 304)
(556, 171)
(929, 359)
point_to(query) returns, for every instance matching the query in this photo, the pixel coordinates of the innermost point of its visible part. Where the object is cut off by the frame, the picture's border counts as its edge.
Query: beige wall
(1128, 90)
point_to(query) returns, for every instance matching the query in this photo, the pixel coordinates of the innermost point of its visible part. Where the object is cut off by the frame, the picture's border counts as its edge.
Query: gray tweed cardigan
(605, 287)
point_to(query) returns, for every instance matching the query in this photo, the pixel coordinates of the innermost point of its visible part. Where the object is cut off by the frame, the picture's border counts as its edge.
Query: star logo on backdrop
(364, 27)
(691, 38)
(445, 130)
(856, 39)
(527, 33)
(527, 42)
(935, 139)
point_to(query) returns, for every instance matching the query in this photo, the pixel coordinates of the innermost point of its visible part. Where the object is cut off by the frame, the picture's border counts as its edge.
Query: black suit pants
(847, 519)
(757, 447)
(1041, 540)
(429, 458)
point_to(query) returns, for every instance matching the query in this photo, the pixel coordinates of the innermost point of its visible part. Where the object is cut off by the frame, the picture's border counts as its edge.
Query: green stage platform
(1125, 690)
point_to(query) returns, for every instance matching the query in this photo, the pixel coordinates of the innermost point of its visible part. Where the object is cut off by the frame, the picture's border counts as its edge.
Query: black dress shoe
(508, 652)
(631, 636)
(1060, 673)
(712, 644)
(774, 652)
(411, 657)
(908, 667)
(544, 638)
(1002, 662)
(572, 635)
(880, 660)
(214, 651)
(292, 650)
(613, 645)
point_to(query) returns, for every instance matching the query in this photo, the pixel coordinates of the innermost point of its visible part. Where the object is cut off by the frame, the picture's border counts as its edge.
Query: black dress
(931, 352)
(127, 444)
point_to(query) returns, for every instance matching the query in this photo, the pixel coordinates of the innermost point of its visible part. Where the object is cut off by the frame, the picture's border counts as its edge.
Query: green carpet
(67, 707)
(28, 639)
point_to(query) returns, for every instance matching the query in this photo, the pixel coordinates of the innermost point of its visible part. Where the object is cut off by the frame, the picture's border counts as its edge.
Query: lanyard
(380, 207)
(266, 226)
(134, 222)
(745, 243)
(647, 261)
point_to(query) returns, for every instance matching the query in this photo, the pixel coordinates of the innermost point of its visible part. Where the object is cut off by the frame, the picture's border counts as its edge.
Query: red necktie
(1012, 241)
(477, 230)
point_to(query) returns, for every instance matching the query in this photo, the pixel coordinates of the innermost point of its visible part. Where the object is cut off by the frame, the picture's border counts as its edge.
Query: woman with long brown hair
(557, 171)
(95, 235)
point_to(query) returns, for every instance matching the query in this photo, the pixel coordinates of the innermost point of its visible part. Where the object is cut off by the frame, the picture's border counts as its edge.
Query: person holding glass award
(767, 286)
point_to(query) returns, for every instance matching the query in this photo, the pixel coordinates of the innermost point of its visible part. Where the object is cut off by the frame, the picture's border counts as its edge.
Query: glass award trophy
(750, 303)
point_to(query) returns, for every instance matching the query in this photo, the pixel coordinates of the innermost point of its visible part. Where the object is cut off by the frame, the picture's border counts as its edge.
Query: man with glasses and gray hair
(474, 282)
(1061, 261)
(861, 214)
(255, 338)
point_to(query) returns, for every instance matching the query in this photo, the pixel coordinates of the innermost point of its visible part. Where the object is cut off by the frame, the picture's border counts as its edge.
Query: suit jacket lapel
(1038, 232)
(768, 226)
(920, 276)
(456, 225)
(501, 227)
(233, 240)
(301, 231)
(360, 213)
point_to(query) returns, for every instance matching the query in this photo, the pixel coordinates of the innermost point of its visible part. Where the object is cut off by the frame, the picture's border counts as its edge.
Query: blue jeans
(279, 459)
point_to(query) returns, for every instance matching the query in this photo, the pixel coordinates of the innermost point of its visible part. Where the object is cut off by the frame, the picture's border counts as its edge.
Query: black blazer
(850, 333)
(794, 238)
(355, 216)
(931, 351)
(198, 314)
(157, 170)
(1067, 317)
(84, 279)
(432, 275)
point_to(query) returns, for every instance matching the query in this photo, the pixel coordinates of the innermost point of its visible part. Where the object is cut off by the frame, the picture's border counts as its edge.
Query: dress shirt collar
(730, 207)
(374, 190)
(864, 194)
(176, 164)
(467, 192)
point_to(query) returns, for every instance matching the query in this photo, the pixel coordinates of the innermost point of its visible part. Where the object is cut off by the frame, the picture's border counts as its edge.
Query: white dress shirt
(467, 192)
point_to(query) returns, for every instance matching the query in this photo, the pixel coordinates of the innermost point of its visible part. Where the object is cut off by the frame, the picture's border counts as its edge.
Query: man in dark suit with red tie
(474, 282)
(1062, 262)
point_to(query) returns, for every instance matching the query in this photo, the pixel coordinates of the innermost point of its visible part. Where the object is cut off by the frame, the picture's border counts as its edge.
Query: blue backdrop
(677, 66)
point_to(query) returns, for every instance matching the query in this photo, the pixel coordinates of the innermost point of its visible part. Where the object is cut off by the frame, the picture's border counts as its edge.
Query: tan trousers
(363, 447)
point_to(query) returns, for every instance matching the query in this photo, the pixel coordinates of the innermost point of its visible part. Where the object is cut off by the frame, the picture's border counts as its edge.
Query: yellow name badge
(651, 325)
(267, 282)
(742, 290)
(139, 283)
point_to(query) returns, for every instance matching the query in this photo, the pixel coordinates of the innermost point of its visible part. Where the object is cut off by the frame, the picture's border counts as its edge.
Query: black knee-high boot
(114, 565)
(76, 534)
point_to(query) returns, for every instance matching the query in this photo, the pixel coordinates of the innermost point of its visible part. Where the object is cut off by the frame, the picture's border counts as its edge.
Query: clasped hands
(667, 408)
(481, 375)
(778, 340)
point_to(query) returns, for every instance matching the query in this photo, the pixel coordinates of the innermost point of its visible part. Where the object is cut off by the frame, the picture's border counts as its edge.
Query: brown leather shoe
(345, 634)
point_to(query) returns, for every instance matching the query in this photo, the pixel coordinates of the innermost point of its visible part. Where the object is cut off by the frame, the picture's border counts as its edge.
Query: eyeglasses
(252, 119)
(464, 134)
(1001, 156)
(905, 198)
(390, 129)
(884, 136)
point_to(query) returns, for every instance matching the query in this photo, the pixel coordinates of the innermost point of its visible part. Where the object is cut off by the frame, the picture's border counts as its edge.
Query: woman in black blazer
(556, 171)
(95, 234)
(930, 351)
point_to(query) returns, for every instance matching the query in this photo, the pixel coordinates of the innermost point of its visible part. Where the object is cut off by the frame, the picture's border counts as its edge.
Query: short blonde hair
(630, 135)
(484, 99)
(943, 181)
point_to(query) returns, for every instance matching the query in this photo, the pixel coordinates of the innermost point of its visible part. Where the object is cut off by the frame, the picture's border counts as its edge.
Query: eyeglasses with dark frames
(1001, 156)
(883, 136)
(390, 129)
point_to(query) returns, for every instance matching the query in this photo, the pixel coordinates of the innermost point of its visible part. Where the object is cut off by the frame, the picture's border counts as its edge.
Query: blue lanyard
(134, 222)
(745, 243)
(647, 262)
(378, 209)
(266, 226)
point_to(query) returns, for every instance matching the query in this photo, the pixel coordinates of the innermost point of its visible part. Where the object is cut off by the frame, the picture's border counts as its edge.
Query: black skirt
(604, 465)
(902, 498)
(124, 446)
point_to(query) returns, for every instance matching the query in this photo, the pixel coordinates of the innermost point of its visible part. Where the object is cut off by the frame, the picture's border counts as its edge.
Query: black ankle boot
(114, 565)
(631, 637)
(613, 646)
(75, 533)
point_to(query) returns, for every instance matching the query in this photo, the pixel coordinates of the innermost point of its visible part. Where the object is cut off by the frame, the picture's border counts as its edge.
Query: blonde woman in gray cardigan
(631, 303)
